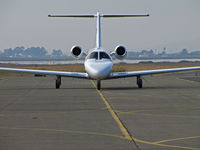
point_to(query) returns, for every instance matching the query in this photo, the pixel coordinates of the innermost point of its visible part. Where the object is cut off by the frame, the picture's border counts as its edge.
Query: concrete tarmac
(164, 115)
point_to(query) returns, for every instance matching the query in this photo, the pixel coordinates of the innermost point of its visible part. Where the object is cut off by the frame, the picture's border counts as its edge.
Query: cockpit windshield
(93, 55)
(104, 55)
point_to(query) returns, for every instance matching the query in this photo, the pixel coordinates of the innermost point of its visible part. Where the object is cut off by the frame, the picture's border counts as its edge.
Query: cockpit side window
(93, 55)
(104, 55)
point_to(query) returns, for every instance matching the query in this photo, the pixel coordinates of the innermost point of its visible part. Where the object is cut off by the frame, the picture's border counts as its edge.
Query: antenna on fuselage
(98, 26)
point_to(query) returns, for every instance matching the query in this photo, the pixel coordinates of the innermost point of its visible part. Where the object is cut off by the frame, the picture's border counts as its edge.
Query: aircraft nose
(98, 70)
(102, 70)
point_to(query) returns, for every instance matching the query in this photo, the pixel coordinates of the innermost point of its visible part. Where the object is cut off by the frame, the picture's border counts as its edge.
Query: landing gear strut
(98, 84)
(139, 81)
(58, 82)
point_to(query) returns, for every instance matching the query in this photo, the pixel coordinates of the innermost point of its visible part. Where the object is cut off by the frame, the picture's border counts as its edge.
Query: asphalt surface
(164, 115)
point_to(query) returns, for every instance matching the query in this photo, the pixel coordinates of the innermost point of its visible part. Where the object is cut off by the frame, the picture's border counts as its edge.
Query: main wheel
(58, 82)
(139, 83)
(98, 84)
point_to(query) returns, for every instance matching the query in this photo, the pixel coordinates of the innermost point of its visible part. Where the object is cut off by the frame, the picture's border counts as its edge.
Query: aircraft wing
(46, 72)
(150, 72)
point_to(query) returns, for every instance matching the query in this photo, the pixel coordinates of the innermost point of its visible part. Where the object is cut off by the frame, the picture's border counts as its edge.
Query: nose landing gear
(139, 81)
(98, 84)
(58, 82)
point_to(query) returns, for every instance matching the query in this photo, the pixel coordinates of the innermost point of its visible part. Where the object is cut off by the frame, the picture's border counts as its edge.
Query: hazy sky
(174, 24)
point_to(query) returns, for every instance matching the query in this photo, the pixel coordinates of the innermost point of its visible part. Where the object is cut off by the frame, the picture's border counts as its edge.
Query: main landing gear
(58, 82)
(139, 81)
(98, 84)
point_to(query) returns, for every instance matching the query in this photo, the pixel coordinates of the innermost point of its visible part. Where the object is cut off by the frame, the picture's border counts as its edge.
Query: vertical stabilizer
(98, 32)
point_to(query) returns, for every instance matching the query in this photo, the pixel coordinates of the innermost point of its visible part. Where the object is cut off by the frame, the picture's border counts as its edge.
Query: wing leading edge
(112, 75)
(46, 72)
(149, 72)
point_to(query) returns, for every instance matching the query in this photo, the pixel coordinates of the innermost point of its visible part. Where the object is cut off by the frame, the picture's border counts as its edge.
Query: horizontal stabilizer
(76, 16)
(101, 15)
(128, 15)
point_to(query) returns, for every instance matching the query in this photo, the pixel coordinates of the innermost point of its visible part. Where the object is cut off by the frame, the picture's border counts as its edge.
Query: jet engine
(76, 52)
(119, 52)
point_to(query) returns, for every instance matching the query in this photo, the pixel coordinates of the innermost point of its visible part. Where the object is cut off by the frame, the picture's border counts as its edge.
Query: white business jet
(98, 63)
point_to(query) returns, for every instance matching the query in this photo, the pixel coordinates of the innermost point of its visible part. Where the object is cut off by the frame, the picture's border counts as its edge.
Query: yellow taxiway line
(127, 134)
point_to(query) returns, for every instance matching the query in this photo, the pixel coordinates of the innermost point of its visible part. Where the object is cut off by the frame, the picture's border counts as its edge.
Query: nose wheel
(98, 84)
(58, 82)
(139, 81)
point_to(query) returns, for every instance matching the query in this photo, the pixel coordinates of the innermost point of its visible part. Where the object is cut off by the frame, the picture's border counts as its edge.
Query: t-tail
(98, 25)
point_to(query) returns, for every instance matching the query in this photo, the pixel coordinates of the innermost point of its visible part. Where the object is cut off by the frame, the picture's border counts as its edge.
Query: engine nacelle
(120, 52)
(76, 52)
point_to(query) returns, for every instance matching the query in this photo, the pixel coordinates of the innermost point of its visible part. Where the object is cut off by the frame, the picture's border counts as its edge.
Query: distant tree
(57, 53)
(8, 52)
(196, 53)
(35, 52)
(164, 52)
(151, 53)
(148, 53)
(184, 52)
(132, 54)
(18, 51)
